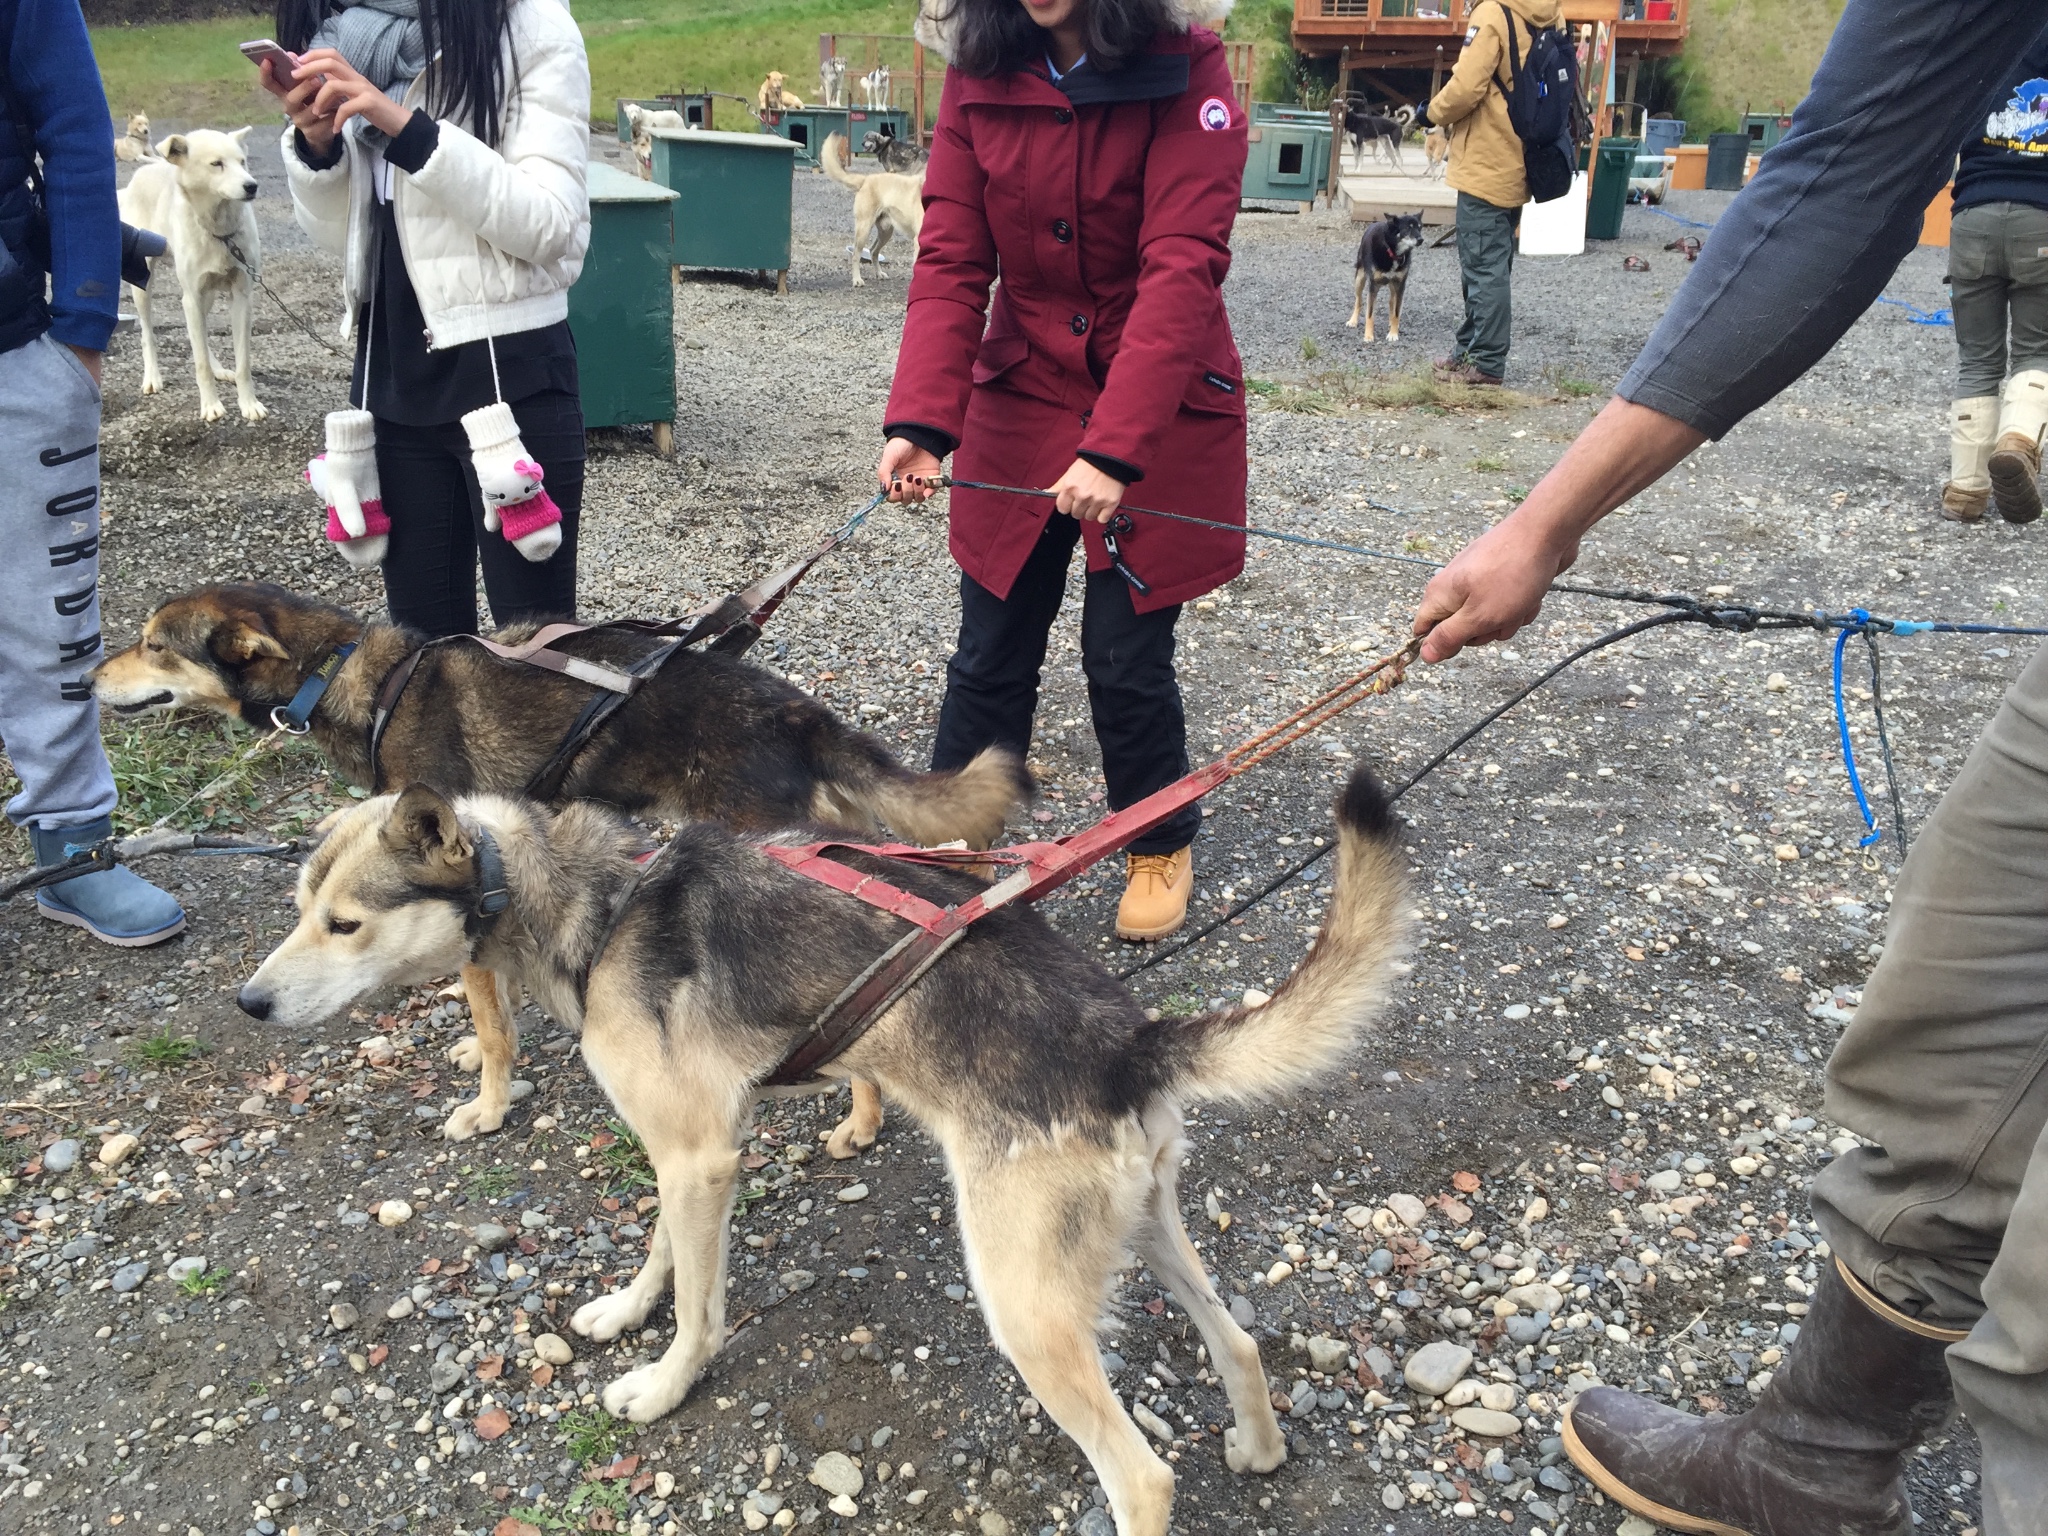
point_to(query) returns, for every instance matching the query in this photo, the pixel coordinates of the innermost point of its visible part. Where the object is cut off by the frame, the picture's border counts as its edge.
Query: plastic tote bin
(621, 310)
(734, 208)
(1558, 227)
(1662, 134)
(1727, 160)
(1617, 162)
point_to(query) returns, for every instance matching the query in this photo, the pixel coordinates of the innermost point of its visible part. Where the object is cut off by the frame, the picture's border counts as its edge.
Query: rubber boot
(1972, 429)
(116, 906)
(1156, 891)
(1823, 1451)
(2015, 466)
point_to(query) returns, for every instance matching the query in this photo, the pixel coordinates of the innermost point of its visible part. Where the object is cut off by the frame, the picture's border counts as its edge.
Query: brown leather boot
(2015, 477)
(1823, 1453)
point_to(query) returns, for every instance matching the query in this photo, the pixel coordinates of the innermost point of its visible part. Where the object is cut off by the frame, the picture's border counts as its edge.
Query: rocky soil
(248, 1287)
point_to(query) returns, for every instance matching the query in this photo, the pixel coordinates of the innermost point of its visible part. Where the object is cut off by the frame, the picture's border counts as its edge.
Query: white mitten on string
(345, 479)
(514, 502)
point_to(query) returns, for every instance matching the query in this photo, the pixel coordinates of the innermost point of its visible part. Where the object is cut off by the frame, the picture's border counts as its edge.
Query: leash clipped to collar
(296, 718)
(493, 895)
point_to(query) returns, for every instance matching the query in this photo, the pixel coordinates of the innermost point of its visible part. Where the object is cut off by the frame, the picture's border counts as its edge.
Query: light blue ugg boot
(115, 906)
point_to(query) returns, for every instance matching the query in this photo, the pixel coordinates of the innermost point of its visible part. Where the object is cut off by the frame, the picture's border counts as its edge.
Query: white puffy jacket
(493, 238)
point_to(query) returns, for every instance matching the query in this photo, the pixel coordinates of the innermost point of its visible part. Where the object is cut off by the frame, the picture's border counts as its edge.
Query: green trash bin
(621, 310)
(734, 208)
(1611, 172)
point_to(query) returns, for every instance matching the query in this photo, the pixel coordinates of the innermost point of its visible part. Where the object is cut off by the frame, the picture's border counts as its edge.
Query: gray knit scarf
(381, 38)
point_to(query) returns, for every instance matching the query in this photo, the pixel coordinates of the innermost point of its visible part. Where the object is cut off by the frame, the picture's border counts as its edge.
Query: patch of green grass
(1517, 494)
(608, 1496)
(163, 1050)
(46, 1058)
(1573, 387)
(592, 1435)
(492, 1183)
(1415, 389)
(1181, 1005)
(203, 1285)
(1417, 544)
(623, 1160)
(1486, 465)
(1309, 350)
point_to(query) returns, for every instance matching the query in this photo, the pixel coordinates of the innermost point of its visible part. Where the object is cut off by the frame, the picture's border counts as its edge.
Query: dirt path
(1599, 1090)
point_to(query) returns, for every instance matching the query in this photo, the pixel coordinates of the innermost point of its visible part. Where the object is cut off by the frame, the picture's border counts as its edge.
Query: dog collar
(296, 718)
(493, 896)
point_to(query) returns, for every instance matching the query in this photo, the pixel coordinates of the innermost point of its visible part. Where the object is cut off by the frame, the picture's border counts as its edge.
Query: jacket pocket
(1215, 391)
(999, 355)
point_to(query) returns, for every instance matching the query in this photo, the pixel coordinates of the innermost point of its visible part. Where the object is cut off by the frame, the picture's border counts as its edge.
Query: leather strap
(387, 701)
(493, 895)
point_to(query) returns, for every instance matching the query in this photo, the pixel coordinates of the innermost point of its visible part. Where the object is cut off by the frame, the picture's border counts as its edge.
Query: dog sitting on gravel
(885, 204)
(708, 735)
(1056, 1102)
(134, 145)
(198, 196)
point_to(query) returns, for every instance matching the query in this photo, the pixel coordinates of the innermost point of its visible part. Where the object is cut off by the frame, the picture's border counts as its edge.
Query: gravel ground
(1576, 1151)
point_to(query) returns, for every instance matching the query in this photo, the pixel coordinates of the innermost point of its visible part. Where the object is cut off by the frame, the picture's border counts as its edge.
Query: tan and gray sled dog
(1056, 1102)
(885, 204)
(198, 198)
(134, 144)
(707, 736)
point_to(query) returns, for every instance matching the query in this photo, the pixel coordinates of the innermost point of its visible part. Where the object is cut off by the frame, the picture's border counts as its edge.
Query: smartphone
(282, 60)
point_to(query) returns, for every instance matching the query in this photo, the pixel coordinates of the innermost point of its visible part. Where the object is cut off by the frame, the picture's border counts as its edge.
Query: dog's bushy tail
(833, 158)
(970, 804)
(1322, 1009)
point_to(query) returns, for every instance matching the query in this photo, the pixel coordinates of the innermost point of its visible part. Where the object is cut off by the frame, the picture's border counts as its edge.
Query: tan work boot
(1972, 429)
(2015, 464)
(1156, 891)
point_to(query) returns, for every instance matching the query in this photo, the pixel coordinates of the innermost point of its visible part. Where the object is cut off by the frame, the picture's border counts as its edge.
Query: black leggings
(993, 679)
(437, 522)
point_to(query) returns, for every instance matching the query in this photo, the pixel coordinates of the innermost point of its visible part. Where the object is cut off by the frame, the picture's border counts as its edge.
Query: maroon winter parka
(1106, 210)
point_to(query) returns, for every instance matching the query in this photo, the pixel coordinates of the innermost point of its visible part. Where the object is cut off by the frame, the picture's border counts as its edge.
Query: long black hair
(465, 52)
(994, 37)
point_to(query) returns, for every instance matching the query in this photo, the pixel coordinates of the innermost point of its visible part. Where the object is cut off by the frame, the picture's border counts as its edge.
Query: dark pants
(437, 522)
(1486, 265)
(992, 680)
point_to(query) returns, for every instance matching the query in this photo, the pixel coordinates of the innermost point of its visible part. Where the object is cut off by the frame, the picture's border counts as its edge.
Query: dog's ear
(173, 148)
(245, 637)
(424, 828)
(240, 133)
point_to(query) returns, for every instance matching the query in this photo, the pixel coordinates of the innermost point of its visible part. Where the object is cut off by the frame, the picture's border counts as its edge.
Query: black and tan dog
(708, 736)
(1056, 1102)
(1384, 254)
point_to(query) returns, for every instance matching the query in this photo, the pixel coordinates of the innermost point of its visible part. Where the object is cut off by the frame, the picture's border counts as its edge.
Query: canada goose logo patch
(1215, 114)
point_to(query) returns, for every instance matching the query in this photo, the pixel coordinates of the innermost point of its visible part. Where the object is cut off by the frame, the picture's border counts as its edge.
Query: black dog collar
(493, 896)
(296, 718)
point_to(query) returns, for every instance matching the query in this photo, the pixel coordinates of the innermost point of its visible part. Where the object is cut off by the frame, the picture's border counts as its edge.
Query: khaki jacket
(1486, 155)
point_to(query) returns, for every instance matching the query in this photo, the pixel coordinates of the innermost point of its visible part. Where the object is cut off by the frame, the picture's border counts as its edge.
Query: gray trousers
(1486, 266)
(50, 621)
(1946, 1067)
(1998, 283)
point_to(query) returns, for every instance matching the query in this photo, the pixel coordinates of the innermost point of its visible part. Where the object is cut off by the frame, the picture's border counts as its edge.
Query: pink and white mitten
(514, 502)
(345, 478)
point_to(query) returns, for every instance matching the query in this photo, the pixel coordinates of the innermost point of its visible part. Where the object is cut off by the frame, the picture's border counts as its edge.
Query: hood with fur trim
(936, 33)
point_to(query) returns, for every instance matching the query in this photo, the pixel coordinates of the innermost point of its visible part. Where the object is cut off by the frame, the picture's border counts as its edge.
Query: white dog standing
(197, 196)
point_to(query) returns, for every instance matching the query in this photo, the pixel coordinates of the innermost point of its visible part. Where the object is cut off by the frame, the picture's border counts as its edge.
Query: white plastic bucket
(1558, 227)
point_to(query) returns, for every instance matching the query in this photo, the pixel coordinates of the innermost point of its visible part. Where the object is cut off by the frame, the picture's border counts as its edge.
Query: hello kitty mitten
(514, 502)
(345, 479)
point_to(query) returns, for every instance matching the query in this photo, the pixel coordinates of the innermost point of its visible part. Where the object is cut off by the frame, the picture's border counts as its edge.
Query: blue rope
(1917, 315)
(1858, 622)
(1676, 218)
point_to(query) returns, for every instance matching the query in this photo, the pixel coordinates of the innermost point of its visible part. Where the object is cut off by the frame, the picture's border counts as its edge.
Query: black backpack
(1545, 108)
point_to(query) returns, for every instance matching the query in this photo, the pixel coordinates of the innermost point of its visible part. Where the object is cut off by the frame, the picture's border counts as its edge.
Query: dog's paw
(646, 1394)
(1255, 1451)
(221, 371)
(609, 1316)
(212, 411)
(473, 1119)
(467, 1054)
(849, 1138)
(152, 385)
(254, 410)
